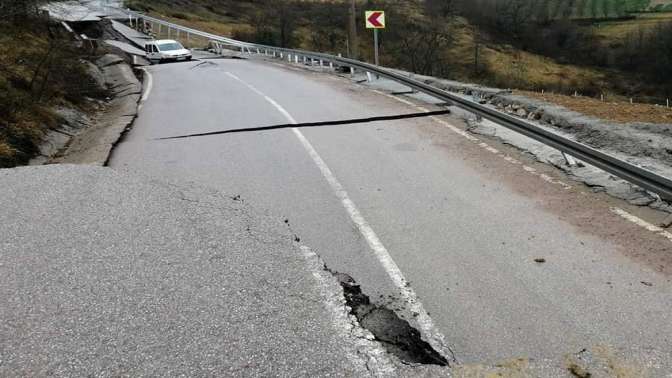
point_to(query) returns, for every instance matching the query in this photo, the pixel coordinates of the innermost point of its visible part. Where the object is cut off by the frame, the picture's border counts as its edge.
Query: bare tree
(440, 8)
(605, 9)
(514, 15)
(17, 10)
(421, 43)
(353, 41)
(594, 8)
(327, 33)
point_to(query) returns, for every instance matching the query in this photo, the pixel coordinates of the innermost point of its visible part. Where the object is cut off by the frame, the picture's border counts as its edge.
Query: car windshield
(170, 46)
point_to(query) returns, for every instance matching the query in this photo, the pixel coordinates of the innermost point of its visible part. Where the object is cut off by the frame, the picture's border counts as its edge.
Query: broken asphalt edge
(94, 145)
(369, 352)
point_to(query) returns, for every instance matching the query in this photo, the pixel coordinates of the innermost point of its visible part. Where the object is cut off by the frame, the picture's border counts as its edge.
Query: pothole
(394, 333)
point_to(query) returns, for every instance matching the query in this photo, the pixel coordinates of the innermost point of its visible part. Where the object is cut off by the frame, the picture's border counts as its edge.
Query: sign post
(375, 46)
(375, 20)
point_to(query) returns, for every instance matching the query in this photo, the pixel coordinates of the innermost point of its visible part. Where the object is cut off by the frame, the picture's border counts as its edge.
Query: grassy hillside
(39, 68)
(614, 31)
(568, 57)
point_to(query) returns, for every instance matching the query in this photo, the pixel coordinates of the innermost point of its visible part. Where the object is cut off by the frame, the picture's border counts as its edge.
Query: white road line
(424, 321)
(478, 142)
(149, 85)
(642, 223)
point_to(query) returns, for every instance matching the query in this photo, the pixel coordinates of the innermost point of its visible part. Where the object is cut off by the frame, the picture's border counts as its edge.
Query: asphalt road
(104, 273)
(463, 224)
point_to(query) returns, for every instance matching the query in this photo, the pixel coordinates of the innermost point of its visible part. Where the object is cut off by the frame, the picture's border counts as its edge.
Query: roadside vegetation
(612, 49)
(40, 69)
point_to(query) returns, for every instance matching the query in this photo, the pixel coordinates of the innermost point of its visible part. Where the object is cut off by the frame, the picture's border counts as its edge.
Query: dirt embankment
(94, 144)
(616, 111)
(45, 91)
(61, 99)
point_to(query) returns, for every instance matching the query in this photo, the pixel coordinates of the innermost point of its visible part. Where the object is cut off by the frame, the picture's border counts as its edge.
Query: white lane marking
(424, 321)
(148, 88)
(478, 142)
(642, 223)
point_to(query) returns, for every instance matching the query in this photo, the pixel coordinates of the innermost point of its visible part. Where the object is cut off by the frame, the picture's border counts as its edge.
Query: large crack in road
(394, 333)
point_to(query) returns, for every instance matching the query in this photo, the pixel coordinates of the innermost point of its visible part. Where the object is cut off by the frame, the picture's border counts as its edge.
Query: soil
(621, 112)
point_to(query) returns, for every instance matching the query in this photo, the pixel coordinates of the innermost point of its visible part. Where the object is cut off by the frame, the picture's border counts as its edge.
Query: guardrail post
(369, 77)
(289, 57)
(331, 65)
(569, 160)
(296, 59)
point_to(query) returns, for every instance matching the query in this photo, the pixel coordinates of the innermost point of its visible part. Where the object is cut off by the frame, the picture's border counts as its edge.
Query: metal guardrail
(639, 176)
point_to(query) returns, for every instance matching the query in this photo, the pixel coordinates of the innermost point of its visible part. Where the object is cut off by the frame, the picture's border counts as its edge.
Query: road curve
(462, 222)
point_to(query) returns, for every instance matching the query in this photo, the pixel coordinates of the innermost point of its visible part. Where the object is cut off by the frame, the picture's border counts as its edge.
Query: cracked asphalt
(463, 225)
(104, 273)
(206, 256)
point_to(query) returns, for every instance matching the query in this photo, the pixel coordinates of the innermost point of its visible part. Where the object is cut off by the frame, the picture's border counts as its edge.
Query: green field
(598, 9)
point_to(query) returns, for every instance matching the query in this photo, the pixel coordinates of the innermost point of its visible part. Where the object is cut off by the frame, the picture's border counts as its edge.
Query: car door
(152, 52)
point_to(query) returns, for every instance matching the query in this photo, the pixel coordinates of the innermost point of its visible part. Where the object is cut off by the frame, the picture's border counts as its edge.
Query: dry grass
(36, 73)
(618, 31)
(508, 67)
(19, 133)
(519, 69)
(617, 111)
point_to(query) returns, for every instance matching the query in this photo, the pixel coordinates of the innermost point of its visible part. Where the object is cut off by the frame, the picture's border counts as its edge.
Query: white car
(166, 50)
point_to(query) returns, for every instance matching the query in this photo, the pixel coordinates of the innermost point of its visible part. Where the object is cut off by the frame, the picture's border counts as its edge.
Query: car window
(170, 46)
(154, 49)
